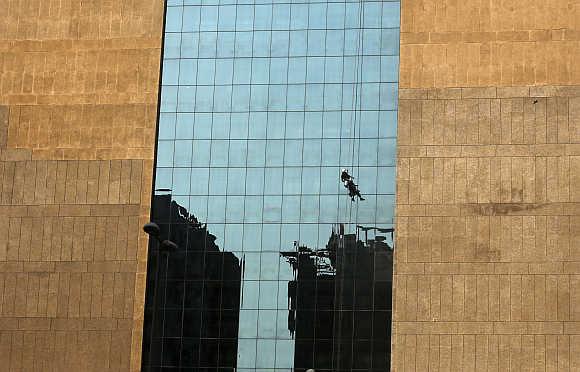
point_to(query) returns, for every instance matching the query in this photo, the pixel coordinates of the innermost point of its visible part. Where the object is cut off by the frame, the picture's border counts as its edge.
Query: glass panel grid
(262, 104)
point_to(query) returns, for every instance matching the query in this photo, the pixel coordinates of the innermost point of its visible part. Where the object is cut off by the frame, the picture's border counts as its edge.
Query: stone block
(512, 92)
(483, 92)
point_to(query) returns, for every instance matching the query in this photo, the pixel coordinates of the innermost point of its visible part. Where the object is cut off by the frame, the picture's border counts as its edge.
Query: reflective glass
(191, 16)
(209, 18)
(227, 18)
(243, 46)
(281, 16)
(278, 70)
(280, 44)
(207, 44)
(187, 72)
(298, 43)
(278, 268)
(335, 15)
(245, 18)
(186, 98)
(263, 17)
(167, 126)
(224, 69)
(262, 41)
(171, 45)
(316, 42)
(225, 44)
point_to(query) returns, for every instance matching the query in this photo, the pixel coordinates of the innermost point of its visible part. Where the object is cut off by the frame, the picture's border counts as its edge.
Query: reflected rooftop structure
(339, 304)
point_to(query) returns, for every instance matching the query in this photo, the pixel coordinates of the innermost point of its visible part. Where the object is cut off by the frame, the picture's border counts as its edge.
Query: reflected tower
(340, 304)
(193, 296)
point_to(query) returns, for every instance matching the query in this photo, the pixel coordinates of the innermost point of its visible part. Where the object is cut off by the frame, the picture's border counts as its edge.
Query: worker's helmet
(343, 170)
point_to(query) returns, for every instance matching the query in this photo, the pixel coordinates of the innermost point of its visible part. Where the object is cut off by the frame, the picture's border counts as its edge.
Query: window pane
(273, 181)
(299, 19)
(255, 181)
(174, 16)
(191, 18)
(280, 43)
(317, 16)
(262, 41)
(245, 18)
(238, 153)
(209, 18)
(263, 20)
(292, 181)
(336, 13)
(316, 42)
(278, 70)
(166, 126)
(183, 153)
(298, 43)
(227, 18)
(207, 44)
(225, 44)
(281, 17)
(199, 181)
(189, 45)
(201, 152)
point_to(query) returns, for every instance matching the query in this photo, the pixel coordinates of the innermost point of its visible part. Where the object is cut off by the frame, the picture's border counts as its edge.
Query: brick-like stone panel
(78, 103)
(492, 43)
(84, 131)
(487, 266)
(71, 252)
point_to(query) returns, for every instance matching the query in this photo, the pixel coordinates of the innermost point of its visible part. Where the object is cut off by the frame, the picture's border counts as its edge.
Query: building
(246, 112)
(192, 302)
(261, 106)
(340, 304)
(486, 265)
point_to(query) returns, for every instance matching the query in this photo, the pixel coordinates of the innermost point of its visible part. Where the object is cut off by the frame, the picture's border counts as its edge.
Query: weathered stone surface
(78, 103)
(489, 44)
(488, 216)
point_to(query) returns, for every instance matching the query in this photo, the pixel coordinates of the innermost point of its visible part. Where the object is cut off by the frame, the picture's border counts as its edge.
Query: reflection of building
(192, 301)
(340, 304)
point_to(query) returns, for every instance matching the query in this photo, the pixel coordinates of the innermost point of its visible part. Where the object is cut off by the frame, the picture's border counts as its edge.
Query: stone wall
(78, 104)
(487, 266)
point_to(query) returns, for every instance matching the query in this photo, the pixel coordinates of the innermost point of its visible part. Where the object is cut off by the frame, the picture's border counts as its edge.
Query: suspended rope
(355, 134)
(357, 105)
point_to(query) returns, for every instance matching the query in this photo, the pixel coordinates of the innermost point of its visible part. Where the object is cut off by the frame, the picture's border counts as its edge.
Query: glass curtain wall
(262, 104)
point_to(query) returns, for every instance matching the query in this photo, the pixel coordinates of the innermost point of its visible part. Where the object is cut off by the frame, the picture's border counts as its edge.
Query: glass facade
(262, 104)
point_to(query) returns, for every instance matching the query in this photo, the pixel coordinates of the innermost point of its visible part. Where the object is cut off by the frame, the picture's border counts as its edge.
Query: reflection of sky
(261, 106)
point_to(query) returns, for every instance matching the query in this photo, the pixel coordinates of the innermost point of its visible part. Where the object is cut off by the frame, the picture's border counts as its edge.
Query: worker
(344, 176)
(348, 182)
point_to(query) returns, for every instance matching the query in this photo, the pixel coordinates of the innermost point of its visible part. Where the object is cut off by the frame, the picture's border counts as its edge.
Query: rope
(356, 102)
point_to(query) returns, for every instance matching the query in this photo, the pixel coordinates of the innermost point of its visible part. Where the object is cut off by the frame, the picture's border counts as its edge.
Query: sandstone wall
(487, 267)
(78, 104)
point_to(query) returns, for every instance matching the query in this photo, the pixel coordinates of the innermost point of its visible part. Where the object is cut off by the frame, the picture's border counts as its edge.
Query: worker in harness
(348, 182)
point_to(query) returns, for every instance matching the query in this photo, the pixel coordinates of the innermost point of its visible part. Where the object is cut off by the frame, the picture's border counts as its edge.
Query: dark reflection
(192, 298)
(340, 303)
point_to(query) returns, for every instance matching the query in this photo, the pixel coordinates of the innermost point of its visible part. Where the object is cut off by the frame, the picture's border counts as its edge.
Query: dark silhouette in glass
(192, 298)
(340, 303)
